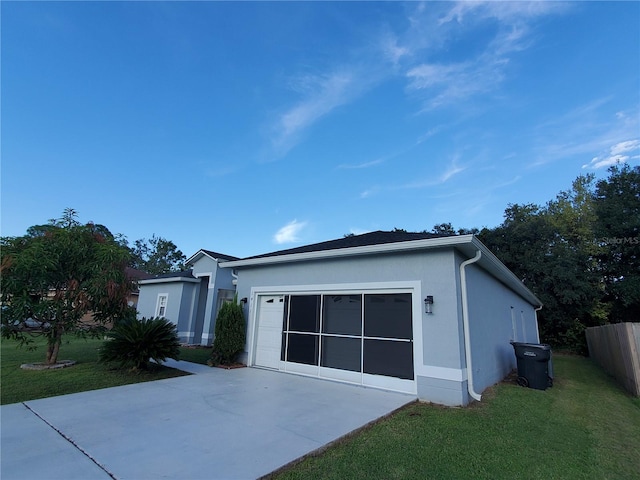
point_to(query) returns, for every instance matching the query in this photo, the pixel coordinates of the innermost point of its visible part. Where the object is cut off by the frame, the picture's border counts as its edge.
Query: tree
(443, 229)
(617, 231)
(230, 330)
(58, 273)
(549, 249)
(156, 256)
(447, 229)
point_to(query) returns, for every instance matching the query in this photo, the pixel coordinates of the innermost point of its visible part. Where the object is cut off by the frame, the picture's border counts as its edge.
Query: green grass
(585, 427)
(20, 385)
(196, 354)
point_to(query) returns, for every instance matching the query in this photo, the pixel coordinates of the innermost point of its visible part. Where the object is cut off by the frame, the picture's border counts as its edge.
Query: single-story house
(190, 299)
(421, 313)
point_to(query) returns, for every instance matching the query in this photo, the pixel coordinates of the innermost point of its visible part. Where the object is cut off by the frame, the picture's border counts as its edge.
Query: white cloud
(369, 192)
(450, 172)
(328, 93)
(392, 51)
(408, 53)
(430, 75)
(621, 152)
(289, 233)
(220, 171)
(508, 12)
(625, 147)
(322, 94)
(588, 131)
(355, 166)
(447, 83)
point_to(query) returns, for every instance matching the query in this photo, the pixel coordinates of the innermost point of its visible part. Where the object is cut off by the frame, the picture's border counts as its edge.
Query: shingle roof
(219, 256)
(372, 238)
(183, 274)
(135, 274)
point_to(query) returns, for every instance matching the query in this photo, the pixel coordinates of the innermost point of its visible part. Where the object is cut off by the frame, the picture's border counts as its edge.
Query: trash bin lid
(541, 346)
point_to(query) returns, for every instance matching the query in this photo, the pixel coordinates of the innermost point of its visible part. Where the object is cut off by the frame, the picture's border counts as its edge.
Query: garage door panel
(268, 343)
(342, 314)
(342, 353)
(303, 349)
(388, 315)
(364, 338)
(388, 357)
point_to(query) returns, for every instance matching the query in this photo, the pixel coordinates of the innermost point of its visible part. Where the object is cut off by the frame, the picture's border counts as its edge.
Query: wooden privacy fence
(616, 348)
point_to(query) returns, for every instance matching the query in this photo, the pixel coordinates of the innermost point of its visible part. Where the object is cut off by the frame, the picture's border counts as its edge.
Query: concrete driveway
(217, 424)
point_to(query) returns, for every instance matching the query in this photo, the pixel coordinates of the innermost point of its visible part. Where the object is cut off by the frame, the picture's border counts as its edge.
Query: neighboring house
(425, 314)
(135, 276)
(190, 299)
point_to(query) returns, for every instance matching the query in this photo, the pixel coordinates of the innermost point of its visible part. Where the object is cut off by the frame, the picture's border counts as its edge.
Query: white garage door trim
(257, 355)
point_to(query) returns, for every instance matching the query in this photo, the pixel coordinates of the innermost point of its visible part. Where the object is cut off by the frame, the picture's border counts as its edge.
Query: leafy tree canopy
(579, 253)
(55, 275)
(156, 256)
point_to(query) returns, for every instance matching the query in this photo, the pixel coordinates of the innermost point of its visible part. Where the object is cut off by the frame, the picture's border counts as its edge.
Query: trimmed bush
(229, 334)
(133, 343)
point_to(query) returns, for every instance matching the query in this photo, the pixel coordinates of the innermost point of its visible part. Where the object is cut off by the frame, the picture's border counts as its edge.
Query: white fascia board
(196, 256)
(192, 258)
(167, 280)
(353, 251)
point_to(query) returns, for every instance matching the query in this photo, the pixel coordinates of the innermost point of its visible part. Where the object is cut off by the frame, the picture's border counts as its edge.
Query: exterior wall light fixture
(244, 300)
(428, 304)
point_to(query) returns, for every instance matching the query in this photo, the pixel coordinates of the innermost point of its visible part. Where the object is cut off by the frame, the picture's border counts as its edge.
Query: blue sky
(250, 127)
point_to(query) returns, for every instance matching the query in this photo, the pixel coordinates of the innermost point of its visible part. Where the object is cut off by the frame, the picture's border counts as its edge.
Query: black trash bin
(535, 369)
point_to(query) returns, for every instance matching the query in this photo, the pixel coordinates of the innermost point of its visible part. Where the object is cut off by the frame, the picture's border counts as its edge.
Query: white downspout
(465, 322)
(535, 314)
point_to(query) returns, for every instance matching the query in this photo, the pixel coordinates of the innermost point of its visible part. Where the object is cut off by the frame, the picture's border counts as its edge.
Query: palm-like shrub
(133, 343)
(229, 334)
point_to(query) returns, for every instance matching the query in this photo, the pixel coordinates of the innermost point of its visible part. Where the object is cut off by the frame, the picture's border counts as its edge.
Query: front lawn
(21, 385)
(196, 354)
(585, 427)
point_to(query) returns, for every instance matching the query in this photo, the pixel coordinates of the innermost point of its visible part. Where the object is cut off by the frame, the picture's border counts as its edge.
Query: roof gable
(211, 254)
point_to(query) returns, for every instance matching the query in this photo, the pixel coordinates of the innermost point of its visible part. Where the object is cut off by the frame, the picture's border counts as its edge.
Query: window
(161, 307)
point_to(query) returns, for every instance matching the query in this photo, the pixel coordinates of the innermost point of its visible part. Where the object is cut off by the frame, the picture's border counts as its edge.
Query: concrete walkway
(216, 424)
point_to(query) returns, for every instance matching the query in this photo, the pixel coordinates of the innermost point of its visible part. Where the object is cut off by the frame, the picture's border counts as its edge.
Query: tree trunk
(53, 346)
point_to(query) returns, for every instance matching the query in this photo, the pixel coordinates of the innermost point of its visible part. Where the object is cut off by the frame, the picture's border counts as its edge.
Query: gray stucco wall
(494, 311)
(219, 278)
(195, 323)
(180, 296)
